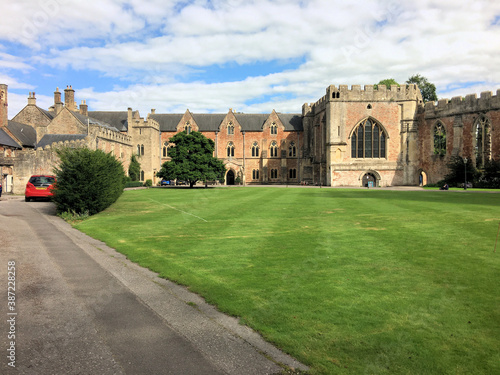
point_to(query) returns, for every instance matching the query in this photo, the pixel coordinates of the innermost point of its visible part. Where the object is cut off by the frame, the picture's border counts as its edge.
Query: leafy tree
(491, 175)
(456, 175)
(134, 169)
(87, 181)
(192, 160)
(427, 89)
(388, 82)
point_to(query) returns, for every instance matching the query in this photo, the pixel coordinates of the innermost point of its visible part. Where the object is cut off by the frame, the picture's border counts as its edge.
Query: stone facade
(28, 142)
(350, 137)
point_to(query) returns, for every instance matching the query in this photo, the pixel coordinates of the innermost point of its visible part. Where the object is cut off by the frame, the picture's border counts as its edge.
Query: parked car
(39, 186)
(165, 182)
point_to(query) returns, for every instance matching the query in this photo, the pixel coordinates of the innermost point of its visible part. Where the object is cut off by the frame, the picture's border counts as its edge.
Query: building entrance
(230, 177)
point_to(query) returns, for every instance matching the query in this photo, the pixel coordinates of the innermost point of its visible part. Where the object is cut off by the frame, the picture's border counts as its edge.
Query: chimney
(69, 98)
(58, 104)
(31, 98)
(3, 106)
(84, 109)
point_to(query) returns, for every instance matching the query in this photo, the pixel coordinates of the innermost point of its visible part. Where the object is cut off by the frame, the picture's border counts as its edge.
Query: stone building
(27, 142)
(350, 137)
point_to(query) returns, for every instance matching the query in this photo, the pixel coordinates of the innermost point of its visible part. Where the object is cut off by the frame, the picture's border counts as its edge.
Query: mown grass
(347, 281)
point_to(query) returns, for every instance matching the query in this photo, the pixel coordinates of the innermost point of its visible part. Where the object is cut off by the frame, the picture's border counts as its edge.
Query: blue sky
(250, 55)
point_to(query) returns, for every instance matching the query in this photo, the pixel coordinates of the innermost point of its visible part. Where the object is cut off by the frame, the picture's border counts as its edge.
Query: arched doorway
(369, 180)
(230, 177)
(422, 178)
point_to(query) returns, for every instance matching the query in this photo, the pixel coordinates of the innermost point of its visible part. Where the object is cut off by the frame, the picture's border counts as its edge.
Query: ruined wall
(458, 117)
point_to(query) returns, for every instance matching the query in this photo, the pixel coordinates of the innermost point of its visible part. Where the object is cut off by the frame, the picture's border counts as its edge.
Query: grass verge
(347, 281)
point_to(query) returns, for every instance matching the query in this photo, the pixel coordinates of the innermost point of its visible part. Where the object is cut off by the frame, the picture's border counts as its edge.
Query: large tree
(192, 160)
(427, 89)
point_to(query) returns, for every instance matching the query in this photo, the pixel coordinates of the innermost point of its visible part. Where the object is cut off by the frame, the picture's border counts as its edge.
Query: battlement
(458, 105)
(111, 135)
(69, 144)
(368, 94)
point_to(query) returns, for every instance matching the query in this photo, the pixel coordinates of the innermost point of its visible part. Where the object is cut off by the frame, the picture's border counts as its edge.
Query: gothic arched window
(273, 150)
(292, 150)
(368, 140)
(274, 128)
(255, 149)
(482, 141)
(230, 129)
(439, 139)
(230, 149)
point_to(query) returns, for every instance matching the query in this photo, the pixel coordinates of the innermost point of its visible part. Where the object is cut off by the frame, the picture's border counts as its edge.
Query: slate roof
(118, 120)
(48, 139)
(25, 133)
(211, 121)
(6, 140)
(168, 121)
(86, 119)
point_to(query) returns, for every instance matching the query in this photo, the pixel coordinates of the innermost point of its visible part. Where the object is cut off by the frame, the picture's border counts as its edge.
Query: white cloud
(152, 47)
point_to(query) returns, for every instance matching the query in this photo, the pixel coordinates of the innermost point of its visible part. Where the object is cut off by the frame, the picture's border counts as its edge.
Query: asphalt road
(79, 307)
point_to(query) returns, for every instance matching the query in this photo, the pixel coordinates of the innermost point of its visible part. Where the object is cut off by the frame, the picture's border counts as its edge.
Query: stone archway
(369, 180)
(230, 177)
(422, 178)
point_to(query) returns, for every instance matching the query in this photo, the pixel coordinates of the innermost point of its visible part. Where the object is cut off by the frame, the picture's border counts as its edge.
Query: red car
(39, 186)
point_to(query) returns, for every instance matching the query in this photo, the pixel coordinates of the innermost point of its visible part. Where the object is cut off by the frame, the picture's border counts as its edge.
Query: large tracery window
(439, 140)
(482, 139)
(368, 140)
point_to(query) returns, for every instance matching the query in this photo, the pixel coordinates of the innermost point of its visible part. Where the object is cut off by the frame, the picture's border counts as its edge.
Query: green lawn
(347, 281)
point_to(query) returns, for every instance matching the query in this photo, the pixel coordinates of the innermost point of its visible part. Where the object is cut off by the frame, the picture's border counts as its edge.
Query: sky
(252, 56)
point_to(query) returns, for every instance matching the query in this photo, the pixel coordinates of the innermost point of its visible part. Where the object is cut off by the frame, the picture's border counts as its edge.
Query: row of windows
(230, 128)
(273, 150)
(273, 173)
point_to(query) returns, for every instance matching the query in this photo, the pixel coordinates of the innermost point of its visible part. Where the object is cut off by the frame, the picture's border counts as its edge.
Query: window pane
(376, 134)
(382, 145)
(353, 145)
(368, 139)
(360, 142)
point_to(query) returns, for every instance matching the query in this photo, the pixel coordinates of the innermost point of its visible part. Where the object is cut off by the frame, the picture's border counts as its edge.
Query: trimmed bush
(131, 184)
(87, 180)
(148, 183)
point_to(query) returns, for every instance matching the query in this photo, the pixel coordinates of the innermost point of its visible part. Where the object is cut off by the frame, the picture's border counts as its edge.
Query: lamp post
(465, 165)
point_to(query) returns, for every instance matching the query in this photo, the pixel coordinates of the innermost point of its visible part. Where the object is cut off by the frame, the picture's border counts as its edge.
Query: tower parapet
(459, 105)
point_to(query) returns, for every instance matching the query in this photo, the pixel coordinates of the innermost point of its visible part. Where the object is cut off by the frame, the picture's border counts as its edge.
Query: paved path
(82, 308)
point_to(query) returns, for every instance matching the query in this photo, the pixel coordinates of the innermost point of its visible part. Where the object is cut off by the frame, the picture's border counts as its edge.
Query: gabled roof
(118, 119)
(168, 121)
(211, 121)
(251, 122)
(48, 139)
(89, 120)
(49, 114)
(26, 134)
(291, 121)
(7, 140)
